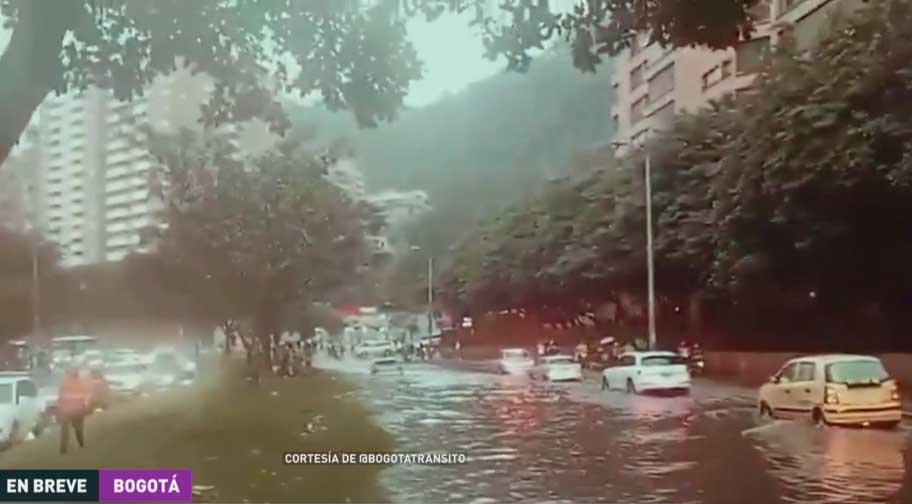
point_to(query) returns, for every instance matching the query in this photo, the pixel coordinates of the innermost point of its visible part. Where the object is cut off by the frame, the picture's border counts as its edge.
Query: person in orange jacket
(73, 402)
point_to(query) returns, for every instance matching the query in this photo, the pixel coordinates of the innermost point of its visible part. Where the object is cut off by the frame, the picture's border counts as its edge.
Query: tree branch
(30, 67)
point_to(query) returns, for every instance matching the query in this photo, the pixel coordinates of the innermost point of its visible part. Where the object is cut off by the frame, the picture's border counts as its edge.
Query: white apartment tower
(92, 187)
(93, 181)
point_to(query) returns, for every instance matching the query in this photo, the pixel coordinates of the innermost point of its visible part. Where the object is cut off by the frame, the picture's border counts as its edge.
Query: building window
(636, 75)
(751, 55)
(636, 110)
(728, 68)
(712, 77)
(787, 5)
(665, 115)
(762, 12)
(663, 82)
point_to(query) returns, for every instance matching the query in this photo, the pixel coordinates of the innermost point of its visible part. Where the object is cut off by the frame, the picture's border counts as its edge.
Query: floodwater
(530, 441)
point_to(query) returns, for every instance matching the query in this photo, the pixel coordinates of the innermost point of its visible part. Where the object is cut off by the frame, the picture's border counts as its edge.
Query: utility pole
(36, 289)
(430, 298)
(650, 260)
(649, 254)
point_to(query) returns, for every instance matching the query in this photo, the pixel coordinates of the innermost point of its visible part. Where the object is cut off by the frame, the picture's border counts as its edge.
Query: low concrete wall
(753, 368)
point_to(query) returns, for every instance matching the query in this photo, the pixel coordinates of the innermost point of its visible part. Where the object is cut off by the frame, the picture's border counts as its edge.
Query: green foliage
(794, 196)
(354, 54)
(248, 237)
(16, 281)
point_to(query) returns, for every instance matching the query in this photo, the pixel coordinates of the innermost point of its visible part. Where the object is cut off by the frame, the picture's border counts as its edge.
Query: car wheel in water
(631, 388)
(817, 418)
(764, 411)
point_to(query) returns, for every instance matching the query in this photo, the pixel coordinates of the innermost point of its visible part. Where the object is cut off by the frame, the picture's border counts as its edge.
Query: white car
(126, 378)
(20, 409)
(557, 368)
(387, 365)
(638, 372)
(833, 389)
(375, 348)
(515, 361)
(168, 368)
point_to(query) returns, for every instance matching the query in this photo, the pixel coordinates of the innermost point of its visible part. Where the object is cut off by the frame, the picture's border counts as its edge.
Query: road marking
(761, 428)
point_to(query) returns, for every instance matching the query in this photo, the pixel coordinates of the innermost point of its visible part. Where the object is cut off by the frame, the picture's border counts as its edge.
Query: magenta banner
(145, 485)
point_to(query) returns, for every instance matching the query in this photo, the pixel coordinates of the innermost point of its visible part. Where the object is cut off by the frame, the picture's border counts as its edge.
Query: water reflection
(834, 464)
(531, 441)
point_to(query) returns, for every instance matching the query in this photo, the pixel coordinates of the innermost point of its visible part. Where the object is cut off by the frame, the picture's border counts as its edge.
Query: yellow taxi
(833, 389)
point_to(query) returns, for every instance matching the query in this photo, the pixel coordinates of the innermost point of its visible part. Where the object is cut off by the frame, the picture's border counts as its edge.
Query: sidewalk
(233, 435)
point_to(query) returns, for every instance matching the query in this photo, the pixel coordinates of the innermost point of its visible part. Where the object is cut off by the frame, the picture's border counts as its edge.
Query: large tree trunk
(30, 66)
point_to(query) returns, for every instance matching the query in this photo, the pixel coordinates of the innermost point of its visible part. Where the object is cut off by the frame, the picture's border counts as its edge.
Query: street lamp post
(430, 299)
(650, 261)
(36, 290)
(36, 284)
(430, 289)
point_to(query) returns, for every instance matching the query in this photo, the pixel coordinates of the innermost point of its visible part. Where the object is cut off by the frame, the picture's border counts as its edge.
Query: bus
(64, 348)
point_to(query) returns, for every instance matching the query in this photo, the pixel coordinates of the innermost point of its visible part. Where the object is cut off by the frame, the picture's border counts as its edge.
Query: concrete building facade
(91, 185)
(651, 84)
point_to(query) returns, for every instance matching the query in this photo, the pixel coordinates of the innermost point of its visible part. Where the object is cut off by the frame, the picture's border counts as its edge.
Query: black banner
(51, 485)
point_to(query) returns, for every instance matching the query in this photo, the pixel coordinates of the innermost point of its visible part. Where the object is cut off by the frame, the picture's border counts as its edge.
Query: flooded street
(532, 441)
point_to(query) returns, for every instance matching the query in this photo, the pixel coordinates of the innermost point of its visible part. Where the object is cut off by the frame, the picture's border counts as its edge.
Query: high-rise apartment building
(652, 84)
(92, 182)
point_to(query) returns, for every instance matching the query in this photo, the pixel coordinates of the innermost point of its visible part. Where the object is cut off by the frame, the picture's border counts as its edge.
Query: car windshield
(663, 360)
(858, 371)
(6, 393)
(516, 354)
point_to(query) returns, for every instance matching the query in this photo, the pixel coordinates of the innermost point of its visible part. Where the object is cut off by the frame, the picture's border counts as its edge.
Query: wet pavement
(532, 441)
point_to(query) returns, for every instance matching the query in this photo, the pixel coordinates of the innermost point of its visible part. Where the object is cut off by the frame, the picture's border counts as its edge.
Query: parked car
(126, 378)
(20, 410)
(515, 361)
(833, 389)
(169, 368)
(557, 368)
(638, 372)
(374, 348)
(387, 365)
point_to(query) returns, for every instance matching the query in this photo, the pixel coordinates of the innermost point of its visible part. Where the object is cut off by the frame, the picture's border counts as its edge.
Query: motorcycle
(696, 364)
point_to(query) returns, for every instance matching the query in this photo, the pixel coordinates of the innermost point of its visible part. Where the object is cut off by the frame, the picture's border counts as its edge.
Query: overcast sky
(451, 52)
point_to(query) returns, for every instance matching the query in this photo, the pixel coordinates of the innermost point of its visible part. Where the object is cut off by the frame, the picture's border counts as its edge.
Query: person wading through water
(73, 402)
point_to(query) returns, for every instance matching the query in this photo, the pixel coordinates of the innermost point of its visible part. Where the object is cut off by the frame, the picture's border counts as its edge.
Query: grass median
(233, 435)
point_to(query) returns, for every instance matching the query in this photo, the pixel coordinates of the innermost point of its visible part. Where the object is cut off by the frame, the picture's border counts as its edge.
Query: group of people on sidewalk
(285, 358)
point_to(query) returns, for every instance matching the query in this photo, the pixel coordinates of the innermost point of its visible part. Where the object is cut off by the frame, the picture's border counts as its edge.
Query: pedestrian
(73, 403)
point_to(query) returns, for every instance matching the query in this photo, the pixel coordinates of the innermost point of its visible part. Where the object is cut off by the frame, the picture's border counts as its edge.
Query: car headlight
(830, 396)
(894, 395)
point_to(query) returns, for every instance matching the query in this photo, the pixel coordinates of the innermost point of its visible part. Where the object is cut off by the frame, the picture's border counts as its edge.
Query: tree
(250, 237)
(783, 203)
(16, 281)
(353, 53)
